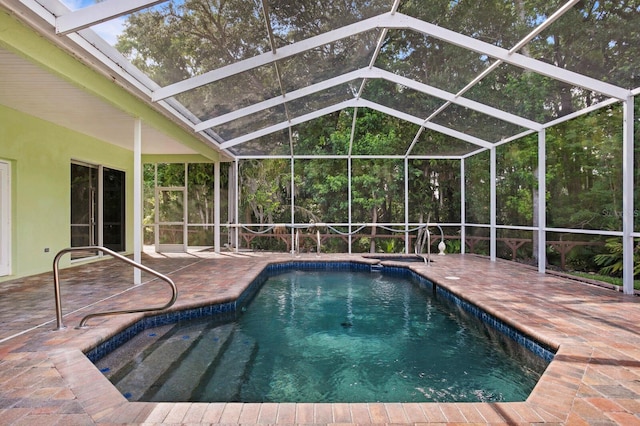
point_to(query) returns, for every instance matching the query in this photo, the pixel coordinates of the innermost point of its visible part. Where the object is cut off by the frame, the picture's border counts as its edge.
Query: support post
(349, 188)
(627, 196)
(492, 206)
(137, 199)
(293, 193)
(236, 206)
(216, 207)
(463, 209)
(407, 237)
(542, 201)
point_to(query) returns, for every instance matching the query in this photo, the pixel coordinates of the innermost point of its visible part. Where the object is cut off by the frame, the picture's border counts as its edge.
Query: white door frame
(178, 247)
(5, 218)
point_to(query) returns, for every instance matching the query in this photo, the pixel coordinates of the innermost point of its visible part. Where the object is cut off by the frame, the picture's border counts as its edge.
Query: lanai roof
(244, 75)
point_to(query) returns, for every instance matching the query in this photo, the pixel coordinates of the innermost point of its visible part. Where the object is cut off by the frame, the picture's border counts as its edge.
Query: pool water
(332, 337)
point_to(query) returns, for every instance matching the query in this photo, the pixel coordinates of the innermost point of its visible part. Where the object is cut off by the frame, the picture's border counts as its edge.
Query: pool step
(140, 374)
(179, 382)
(376, 267)
(224, 379)
(115, 363)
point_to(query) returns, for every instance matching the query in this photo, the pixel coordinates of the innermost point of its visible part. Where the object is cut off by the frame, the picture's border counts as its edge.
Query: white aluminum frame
(171, 248)
(368, 74)
(137, 199)
(394, 21)
(627, 195)
(542, 201)
(98, 13)
(217, 205)
(355, 103)
(75, 26)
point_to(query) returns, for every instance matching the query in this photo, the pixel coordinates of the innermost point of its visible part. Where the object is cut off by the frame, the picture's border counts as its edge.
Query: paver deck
(46, 379)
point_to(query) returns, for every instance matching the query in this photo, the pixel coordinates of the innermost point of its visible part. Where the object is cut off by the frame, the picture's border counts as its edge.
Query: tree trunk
(374, 219)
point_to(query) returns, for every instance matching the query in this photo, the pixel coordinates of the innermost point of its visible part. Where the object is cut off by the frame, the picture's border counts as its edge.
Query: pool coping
(561, 395)
(229, 309)
(109, 396)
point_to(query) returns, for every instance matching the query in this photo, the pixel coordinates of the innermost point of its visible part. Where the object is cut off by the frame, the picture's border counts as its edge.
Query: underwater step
(182, 380)
(225, 381)
(143, 373)
(115, 365)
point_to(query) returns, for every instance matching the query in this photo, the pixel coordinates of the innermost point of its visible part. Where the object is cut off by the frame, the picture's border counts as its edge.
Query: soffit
(32, 90)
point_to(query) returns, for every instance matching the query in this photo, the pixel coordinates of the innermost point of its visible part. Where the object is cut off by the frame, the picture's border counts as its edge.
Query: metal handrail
(420, 242)
(420, 245)
(56, 285)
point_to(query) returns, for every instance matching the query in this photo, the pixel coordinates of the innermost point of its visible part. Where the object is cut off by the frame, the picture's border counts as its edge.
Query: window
(97, 208)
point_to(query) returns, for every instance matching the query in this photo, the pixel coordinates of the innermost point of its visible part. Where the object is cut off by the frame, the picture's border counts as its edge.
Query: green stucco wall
(40, 154)
(23, 41)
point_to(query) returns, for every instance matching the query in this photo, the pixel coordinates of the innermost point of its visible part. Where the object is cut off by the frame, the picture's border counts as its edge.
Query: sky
(108, 30)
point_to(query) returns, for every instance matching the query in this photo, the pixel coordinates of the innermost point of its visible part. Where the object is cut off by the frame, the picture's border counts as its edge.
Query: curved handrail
(56, 284)
(420, 242)
(420, 245)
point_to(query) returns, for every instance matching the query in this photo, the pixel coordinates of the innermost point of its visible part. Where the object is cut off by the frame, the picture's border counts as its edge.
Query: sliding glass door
(97, 208)
(113, 229)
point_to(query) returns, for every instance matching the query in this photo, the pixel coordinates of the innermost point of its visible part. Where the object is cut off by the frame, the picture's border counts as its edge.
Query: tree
(265, 188)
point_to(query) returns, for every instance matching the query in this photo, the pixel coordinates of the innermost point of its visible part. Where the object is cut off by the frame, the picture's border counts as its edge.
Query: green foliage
(477, 184)
(581, 258)
(265, 186)
(453, 246)
(611, 263)
(390, 246)
(517, 181)
(200, 193)
(584, 169)
(178, 40)
(434, 190)
(605, 278)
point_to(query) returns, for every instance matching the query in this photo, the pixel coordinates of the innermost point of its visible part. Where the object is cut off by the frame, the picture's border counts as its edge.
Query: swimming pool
(349, 351)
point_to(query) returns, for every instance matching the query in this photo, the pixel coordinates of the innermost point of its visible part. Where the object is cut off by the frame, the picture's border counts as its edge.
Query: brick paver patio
(45, 378)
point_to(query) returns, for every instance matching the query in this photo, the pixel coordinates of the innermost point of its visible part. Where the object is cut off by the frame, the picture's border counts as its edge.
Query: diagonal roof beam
(266, 58)
(400, 21)
(355, 103)
(366, 73)
(279, 100)
(378, 49)
(533, 34)
(381, 38)
(536, 31)
(421, 122)
(285, 124)
(98, 13)
(459, 100)
(396, 21)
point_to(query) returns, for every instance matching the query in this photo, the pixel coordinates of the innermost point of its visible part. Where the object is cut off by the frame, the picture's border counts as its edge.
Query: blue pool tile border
(516, 335)
(221, 311)
(228, 310)
(537, 348)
